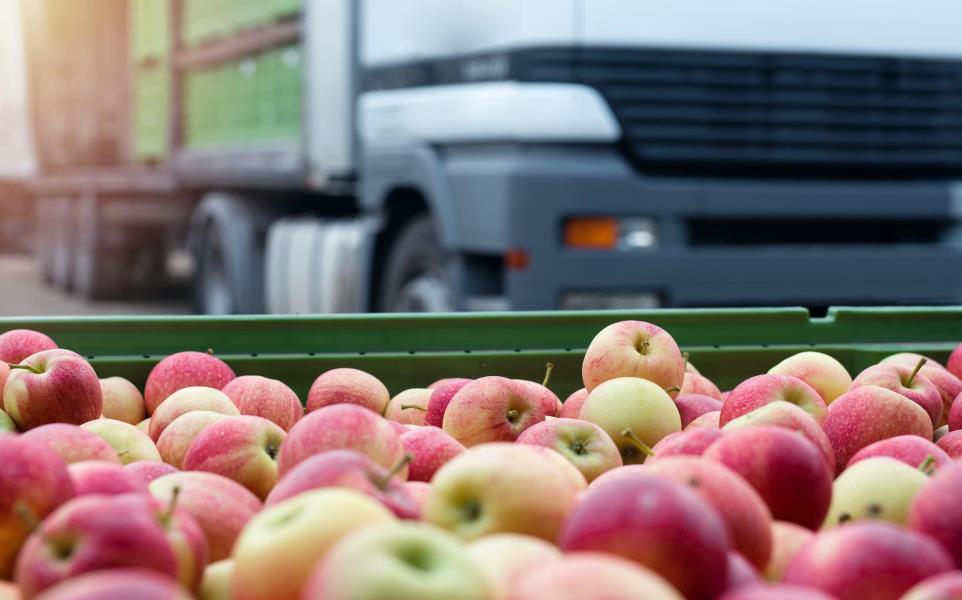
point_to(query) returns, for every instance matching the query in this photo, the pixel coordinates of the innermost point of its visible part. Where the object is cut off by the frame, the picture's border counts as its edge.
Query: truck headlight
(609, 233)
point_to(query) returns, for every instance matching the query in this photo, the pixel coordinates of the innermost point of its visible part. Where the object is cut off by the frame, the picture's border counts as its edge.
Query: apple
(418, 490)
(635, 412)
(73, 443)
(177, 437)
(186, 400)
(954, 364)
(6, 423)
(91, 533)
(781, 592)
(778, 463)
(954, 417)
(909, 449)
(430, 448)
(949, 385)
(117, 584)
(182, 370)
(186, 537)
(907, 382)
(951, 444)
(760, 390)
(878, 488)
(33, 482)
(342, 426)
(216, 582)
(18, 344)
(441, 396)
(400, 561)
(934, 511)
(505, 557)
(4, 373)
(549, 401)
(149, 470)
(741, 573)
(633, 349)
(869, 559)
(656, 522)
(787, 540)
(271, 399)
(243, 449)
(947, 586)
(584, 444)
(130, 443)
(591, 576)
(122, 400)
(868, 414)
(144, 426)
(279, 548)
(823, 373)
(789, 416)
(491, 409)
(53, 386)
(98, 477)
(571, 407)
(348, 469)
(697, 384)
(220, 506)
(692, 406)
(709, 419)
(690, 442)
(409, 407)
(499, 487)
(944, 429)
(348, 386)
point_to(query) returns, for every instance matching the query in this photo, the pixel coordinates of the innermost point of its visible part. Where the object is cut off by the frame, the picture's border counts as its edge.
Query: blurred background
(322, 156)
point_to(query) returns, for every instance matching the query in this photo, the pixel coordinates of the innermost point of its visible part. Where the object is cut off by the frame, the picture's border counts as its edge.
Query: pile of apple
(649, 483)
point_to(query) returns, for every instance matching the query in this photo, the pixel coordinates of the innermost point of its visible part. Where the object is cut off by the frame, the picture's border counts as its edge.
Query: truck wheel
(416, 277)
(43, 247)
(98, 272)
(212, 293)
(62, 244)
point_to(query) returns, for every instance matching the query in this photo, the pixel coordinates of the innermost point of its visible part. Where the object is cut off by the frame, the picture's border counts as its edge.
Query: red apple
(430, 448)
(760, 390)
(951, 444)
(934, 511)
(98, 477)
(867, 559)
(709, 419)
(954, 364)
(949, 385)
(907, 382)
(778, 463)
(118, 584)
(658, 523)
(122, 400)
(440, 398)
(149, 470)
(823, 373)
(177, 437)
(409, 407)
(186, 400)
(505, 557)
(954, 417)
(571, 407)
(779, 592)
(947, 586)
(491, 409)
(691, 442)
(741, 573)
(583, 444)
(53, 386)
(787, 540)
(418, 490)
(73, 443)
(788, 416)
(268, 398)
(18, 344)
(910, 449)
(633, 349)
(692, 406)
(591, 576)
(549, 401)
(348, 386)
(697, 384)
(181, 370)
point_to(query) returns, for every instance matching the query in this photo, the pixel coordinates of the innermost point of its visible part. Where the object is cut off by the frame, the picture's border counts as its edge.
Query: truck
(324, 156)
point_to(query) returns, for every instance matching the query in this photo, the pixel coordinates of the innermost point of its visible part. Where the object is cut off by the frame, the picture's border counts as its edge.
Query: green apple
(216, 582)
(584, 444)
(821, 371)
(875, 488)
(6, 423)
(505, 557)
(131, 443)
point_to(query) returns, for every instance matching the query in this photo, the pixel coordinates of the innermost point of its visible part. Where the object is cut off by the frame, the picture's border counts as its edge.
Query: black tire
(44, 240)
(62, 244)
(212, 291)
(416, 277)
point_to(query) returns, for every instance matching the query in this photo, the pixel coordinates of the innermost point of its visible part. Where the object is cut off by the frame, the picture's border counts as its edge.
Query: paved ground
(23, 294)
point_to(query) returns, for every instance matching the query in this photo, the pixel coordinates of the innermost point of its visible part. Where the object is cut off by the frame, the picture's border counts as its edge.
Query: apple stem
(33, 370)
(414, 406)
(513, 414)
(685, 356)
(928, 465)
(549, 367)
(407, 458)
(915, 371)
(210, 351)
(673, 388)
(171, 506)
(635, 441)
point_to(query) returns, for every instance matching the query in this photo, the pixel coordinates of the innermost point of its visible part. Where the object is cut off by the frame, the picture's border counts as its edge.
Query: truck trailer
(321, 156)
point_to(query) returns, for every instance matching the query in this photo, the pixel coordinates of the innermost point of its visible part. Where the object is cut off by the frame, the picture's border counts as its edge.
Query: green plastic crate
(149, 26)
(151, 108)
(414, 350)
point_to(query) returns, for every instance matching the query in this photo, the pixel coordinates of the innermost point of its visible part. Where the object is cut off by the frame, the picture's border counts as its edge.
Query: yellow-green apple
(130, 443)
(633, 349)
(491, 409)
(951, 444)
(934, 512)
(878, 488)
(634, 412)
(149, 470)
(571, 407)
(91, 533)
(347, 469)
(181, 370)
(409, 407)
(907, 382)
(18, 344)
(709, 419)
(500, 487)
(348, 386)
(696, 383)
(122, 400)
(505, 557)
(4, 373)
(868, 414)
(741, 573)
(418, 490)
(656, 522)
(689, 442)
(789, 416)
(144, 426)
(342, 426)
(741, 508)
(268, 398)
(109, 479)
(869, 559)
(778, 463)
(591, 576)
(756, 392)
(243, 449)
(279, 548)
(584, 444)
(53, 386)
(33, 482)
(9, 591)
(117, 584)
(440, 398)
(430, 448)
(216, 582)
(186, 400)
(400, 561)
(909, 449)
(177, 437)
(575, 479)
(220, 506)
(949, 385)
(73, 443)
(947, 586)
(822, 372)
(787, 540)
(779, 592)
(6, 423)
(692, 406)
